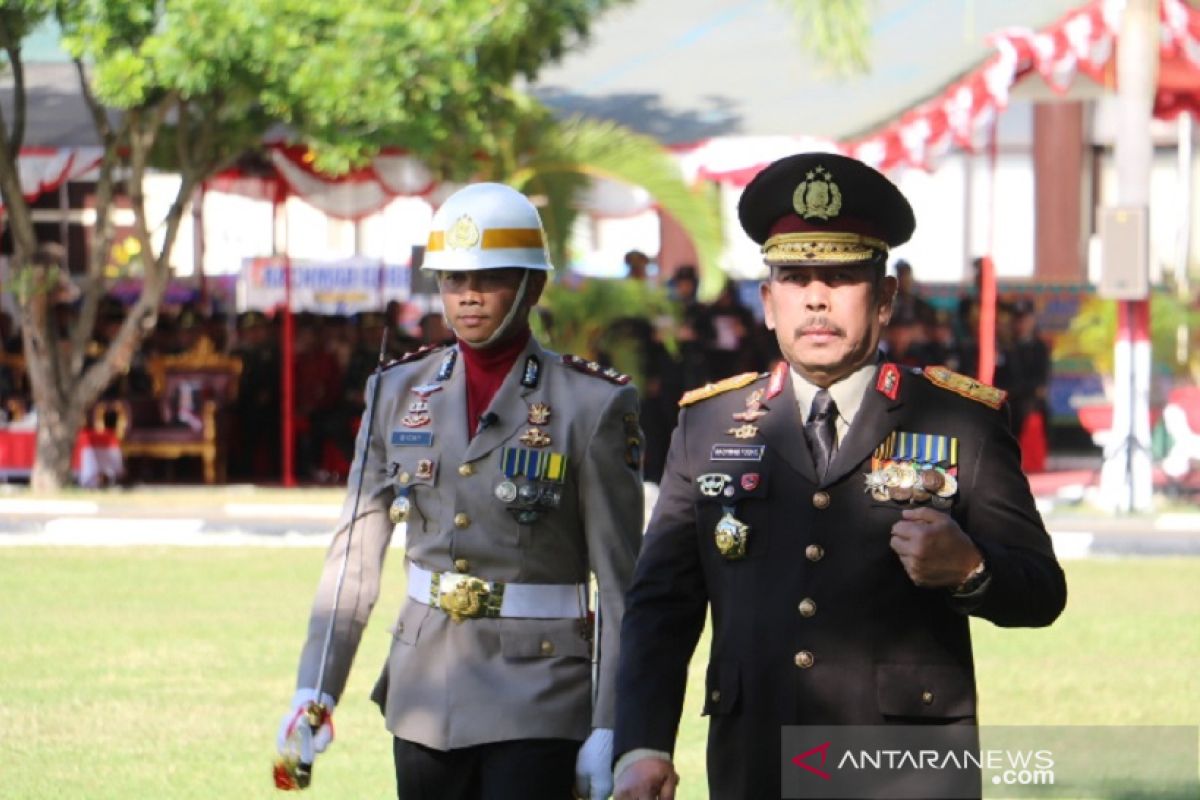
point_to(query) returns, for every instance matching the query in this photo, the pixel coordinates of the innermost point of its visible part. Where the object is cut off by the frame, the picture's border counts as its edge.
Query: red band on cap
(794, 223)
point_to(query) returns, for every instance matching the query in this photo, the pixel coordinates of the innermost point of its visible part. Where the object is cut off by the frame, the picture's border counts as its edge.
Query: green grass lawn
(162, 673)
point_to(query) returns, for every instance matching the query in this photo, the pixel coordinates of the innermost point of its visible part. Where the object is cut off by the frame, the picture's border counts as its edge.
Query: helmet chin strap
(502, 329)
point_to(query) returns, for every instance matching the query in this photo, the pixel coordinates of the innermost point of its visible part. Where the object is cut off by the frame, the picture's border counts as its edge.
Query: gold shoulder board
(720, 387)
(966, 386)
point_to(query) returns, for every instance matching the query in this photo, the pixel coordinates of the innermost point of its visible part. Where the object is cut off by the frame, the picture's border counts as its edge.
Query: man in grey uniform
(516, 472)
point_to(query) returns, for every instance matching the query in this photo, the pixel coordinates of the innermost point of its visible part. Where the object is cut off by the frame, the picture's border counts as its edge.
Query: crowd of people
(334, 354)
(728, 337)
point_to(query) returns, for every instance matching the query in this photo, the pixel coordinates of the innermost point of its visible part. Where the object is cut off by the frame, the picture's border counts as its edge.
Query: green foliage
(1092, 335)
(553, 159)
(836, 31)
(346, 76)
(585, 319)
(17, 20)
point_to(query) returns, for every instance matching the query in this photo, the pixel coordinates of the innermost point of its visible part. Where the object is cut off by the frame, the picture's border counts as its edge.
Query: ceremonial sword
(295, 772)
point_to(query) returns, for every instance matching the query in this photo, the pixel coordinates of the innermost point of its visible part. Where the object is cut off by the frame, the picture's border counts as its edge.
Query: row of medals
(731, 535)
(523, 499)
(908, 482)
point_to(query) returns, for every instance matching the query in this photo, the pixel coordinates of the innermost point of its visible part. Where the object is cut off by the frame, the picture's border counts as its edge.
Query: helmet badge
(463, 233)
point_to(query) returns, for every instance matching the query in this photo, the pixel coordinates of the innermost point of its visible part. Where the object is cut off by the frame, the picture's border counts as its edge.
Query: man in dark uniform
(842, 517)
(516, 472)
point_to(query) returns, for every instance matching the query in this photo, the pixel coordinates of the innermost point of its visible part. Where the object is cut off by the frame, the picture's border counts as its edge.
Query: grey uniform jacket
(450, 684)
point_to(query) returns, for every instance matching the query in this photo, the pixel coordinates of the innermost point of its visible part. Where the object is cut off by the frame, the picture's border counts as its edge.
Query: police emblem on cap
(817, 196)
(801, 215)
(463, 233)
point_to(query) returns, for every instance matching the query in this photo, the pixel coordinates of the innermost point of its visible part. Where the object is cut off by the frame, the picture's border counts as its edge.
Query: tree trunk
(56, 432)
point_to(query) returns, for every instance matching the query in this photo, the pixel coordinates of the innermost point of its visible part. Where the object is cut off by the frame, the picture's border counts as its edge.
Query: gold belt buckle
(465, 598)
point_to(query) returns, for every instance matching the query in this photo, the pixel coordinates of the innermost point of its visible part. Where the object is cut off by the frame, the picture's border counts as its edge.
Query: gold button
(814, 552)
(466, 470)
(547, 647)
(716, 695)
(807, 607)
(404, 477)
(461, 520)
(927, 697)
(821, 500)
(804, 659)
(400, 628)
(462, 565)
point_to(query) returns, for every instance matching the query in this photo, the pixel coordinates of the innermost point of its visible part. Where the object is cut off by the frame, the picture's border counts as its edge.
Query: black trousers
(523, 769)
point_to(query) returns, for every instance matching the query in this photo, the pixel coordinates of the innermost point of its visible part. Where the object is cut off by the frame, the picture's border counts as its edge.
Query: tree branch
(99, 118)
(13, 50)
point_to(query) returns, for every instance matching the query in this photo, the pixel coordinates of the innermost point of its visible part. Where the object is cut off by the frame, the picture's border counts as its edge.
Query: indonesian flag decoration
(1083, 41)
(44, 169)
(358, 193)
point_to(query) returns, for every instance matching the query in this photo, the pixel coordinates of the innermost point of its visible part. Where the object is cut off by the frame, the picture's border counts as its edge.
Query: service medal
(398, 510)
(506, 492)
(731, 536)
(876, 484)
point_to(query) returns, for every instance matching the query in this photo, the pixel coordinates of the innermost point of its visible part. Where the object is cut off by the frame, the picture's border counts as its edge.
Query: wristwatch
(975, 579)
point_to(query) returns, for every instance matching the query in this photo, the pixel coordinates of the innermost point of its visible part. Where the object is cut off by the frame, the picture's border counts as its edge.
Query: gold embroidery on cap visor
(822, 248)
(492, 239)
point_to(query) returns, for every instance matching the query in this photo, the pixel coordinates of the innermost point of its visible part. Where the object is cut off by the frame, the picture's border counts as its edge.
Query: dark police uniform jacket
(818, 623)
(451, 684)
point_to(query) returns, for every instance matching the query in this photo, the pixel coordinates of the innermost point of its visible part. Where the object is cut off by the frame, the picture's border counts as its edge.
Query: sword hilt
(293, 772)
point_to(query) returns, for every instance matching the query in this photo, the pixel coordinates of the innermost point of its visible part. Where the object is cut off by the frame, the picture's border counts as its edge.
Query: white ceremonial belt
(468, 597)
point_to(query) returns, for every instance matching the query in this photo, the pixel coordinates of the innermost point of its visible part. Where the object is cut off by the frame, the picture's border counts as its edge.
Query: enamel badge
(539, 413)
(746, 431)
(535, 437)
(418, 414)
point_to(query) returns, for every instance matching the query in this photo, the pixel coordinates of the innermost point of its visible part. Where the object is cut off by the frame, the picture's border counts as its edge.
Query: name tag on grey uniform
(412, 438)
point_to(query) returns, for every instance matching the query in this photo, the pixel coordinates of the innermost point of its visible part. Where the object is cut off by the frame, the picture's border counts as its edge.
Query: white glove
(296, 737)
(593, 766)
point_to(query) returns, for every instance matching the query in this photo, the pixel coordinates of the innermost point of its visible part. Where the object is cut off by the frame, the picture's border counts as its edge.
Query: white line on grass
(276, 510)
(48, 507)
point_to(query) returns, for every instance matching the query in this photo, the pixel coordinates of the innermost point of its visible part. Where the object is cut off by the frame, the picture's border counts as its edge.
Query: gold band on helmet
(493, 239)
(822, 247)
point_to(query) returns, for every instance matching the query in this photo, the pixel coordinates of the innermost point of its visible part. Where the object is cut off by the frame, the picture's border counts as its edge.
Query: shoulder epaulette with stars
(415, 355)
(966, 386)
(720, 387)
(594, 368)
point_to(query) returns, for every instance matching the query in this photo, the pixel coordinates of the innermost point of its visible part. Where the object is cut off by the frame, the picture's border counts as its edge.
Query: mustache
(823, 324)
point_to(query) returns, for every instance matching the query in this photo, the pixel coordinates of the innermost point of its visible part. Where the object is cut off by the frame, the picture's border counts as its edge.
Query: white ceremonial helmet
(486, 226)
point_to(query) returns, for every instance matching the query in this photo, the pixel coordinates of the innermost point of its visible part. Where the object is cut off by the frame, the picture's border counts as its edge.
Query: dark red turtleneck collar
(486, 369)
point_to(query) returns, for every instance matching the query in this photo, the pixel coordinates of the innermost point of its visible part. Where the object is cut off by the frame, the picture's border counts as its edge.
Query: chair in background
(189, 414)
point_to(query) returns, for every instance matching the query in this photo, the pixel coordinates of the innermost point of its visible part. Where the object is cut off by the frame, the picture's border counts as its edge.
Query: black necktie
(821, 430)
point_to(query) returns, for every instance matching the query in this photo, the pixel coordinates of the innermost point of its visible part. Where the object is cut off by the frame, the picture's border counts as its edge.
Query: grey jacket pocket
(520, 639)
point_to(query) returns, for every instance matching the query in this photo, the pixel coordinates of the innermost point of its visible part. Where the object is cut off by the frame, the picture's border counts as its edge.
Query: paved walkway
(225, 516)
